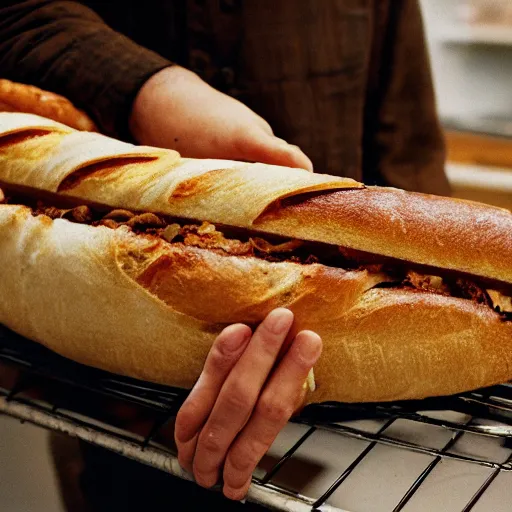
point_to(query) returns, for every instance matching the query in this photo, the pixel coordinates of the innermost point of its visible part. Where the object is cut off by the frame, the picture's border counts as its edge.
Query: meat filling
(206, 236)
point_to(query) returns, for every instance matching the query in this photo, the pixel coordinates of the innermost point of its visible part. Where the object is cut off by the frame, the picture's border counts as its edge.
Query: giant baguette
(419, 228)
(137, 305)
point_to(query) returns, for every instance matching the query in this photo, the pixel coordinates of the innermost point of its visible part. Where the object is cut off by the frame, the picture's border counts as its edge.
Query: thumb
(268, 149)
(292, 155)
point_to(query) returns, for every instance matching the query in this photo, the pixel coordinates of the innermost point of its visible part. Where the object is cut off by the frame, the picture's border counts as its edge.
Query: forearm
(64, 47)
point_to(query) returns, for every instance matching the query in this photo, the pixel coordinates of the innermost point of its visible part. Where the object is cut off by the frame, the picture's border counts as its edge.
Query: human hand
(175, 109)
(242, 400)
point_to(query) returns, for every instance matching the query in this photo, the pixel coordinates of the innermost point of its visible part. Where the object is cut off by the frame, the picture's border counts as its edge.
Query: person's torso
(303, 65)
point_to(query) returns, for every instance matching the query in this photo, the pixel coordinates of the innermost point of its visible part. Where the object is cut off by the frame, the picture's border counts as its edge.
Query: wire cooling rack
(334, 457)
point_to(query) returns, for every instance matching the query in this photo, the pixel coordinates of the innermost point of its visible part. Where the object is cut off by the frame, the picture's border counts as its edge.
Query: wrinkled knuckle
(238, 398)
(239, 463)
(274, 411)
(210, 440)
(244, 458)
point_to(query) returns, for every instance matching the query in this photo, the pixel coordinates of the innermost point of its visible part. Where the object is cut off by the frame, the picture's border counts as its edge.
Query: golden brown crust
(398, 345)
(379, 344)
(446, 233)
(158, 308)
(437, 231)
(16, 97)
(192, 281)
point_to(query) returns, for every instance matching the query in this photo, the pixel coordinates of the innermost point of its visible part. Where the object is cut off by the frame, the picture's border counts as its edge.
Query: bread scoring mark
(19, 137)
(100, 170)
(297, 201)
(199, 184)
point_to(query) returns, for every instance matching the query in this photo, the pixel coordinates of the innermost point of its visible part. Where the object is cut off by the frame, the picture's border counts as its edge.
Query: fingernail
(235, 337)
(303, 160)
(279, 321)
(304, 164)
(309, 349)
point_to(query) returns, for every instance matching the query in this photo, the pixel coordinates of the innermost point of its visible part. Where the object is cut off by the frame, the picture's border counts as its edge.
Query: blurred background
(471, 49)
(470, 43)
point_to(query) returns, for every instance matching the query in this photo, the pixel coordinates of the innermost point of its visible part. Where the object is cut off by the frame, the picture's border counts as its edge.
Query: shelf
(478, 149)
(483, 34)
(489, 126)
(483, 184)
(480, 177)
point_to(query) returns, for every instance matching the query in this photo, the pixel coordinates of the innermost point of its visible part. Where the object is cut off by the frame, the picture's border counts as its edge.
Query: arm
(64, 47)
(403, 136)
(129, 91)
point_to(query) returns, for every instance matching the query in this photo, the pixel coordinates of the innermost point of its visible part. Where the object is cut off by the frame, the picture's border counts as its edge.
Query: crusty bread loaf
(80, 290)
(431, 230)
(418, 228)
(16, 97)
(137, 305)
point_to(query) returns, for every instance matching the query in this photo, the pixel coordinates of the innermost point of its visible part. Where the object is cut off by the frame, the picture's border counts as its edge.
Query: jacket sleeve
(403, 137)
(66, 48)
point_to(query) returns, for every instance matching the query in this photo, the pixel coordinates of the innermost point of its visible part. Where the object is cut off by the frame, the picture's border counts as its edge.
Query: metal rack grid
(42, 388)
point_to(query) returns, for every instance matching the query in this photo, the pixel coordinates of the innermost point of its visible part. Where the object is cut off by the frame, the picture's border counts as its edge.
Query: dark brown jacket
(346, 80)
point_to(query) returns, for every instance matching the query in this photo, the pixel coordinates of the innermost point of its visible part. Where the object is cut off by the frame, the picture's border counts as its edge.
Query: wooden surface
(480, 167)
(491, 185)
(479, 149)
(483, 196)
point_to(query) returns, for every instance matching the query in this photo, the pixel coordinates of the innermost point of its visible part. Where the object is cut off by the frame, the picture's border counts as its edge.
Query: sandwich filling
(208, 236)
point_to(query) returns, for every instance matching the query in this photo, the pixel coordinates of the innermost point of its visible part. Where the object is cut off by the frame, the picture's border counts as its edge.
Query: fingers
(274, 408)
(223, 356)
(175, 109)
(243, 399)
(291, 155)
(239, 395)
(259, 146)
